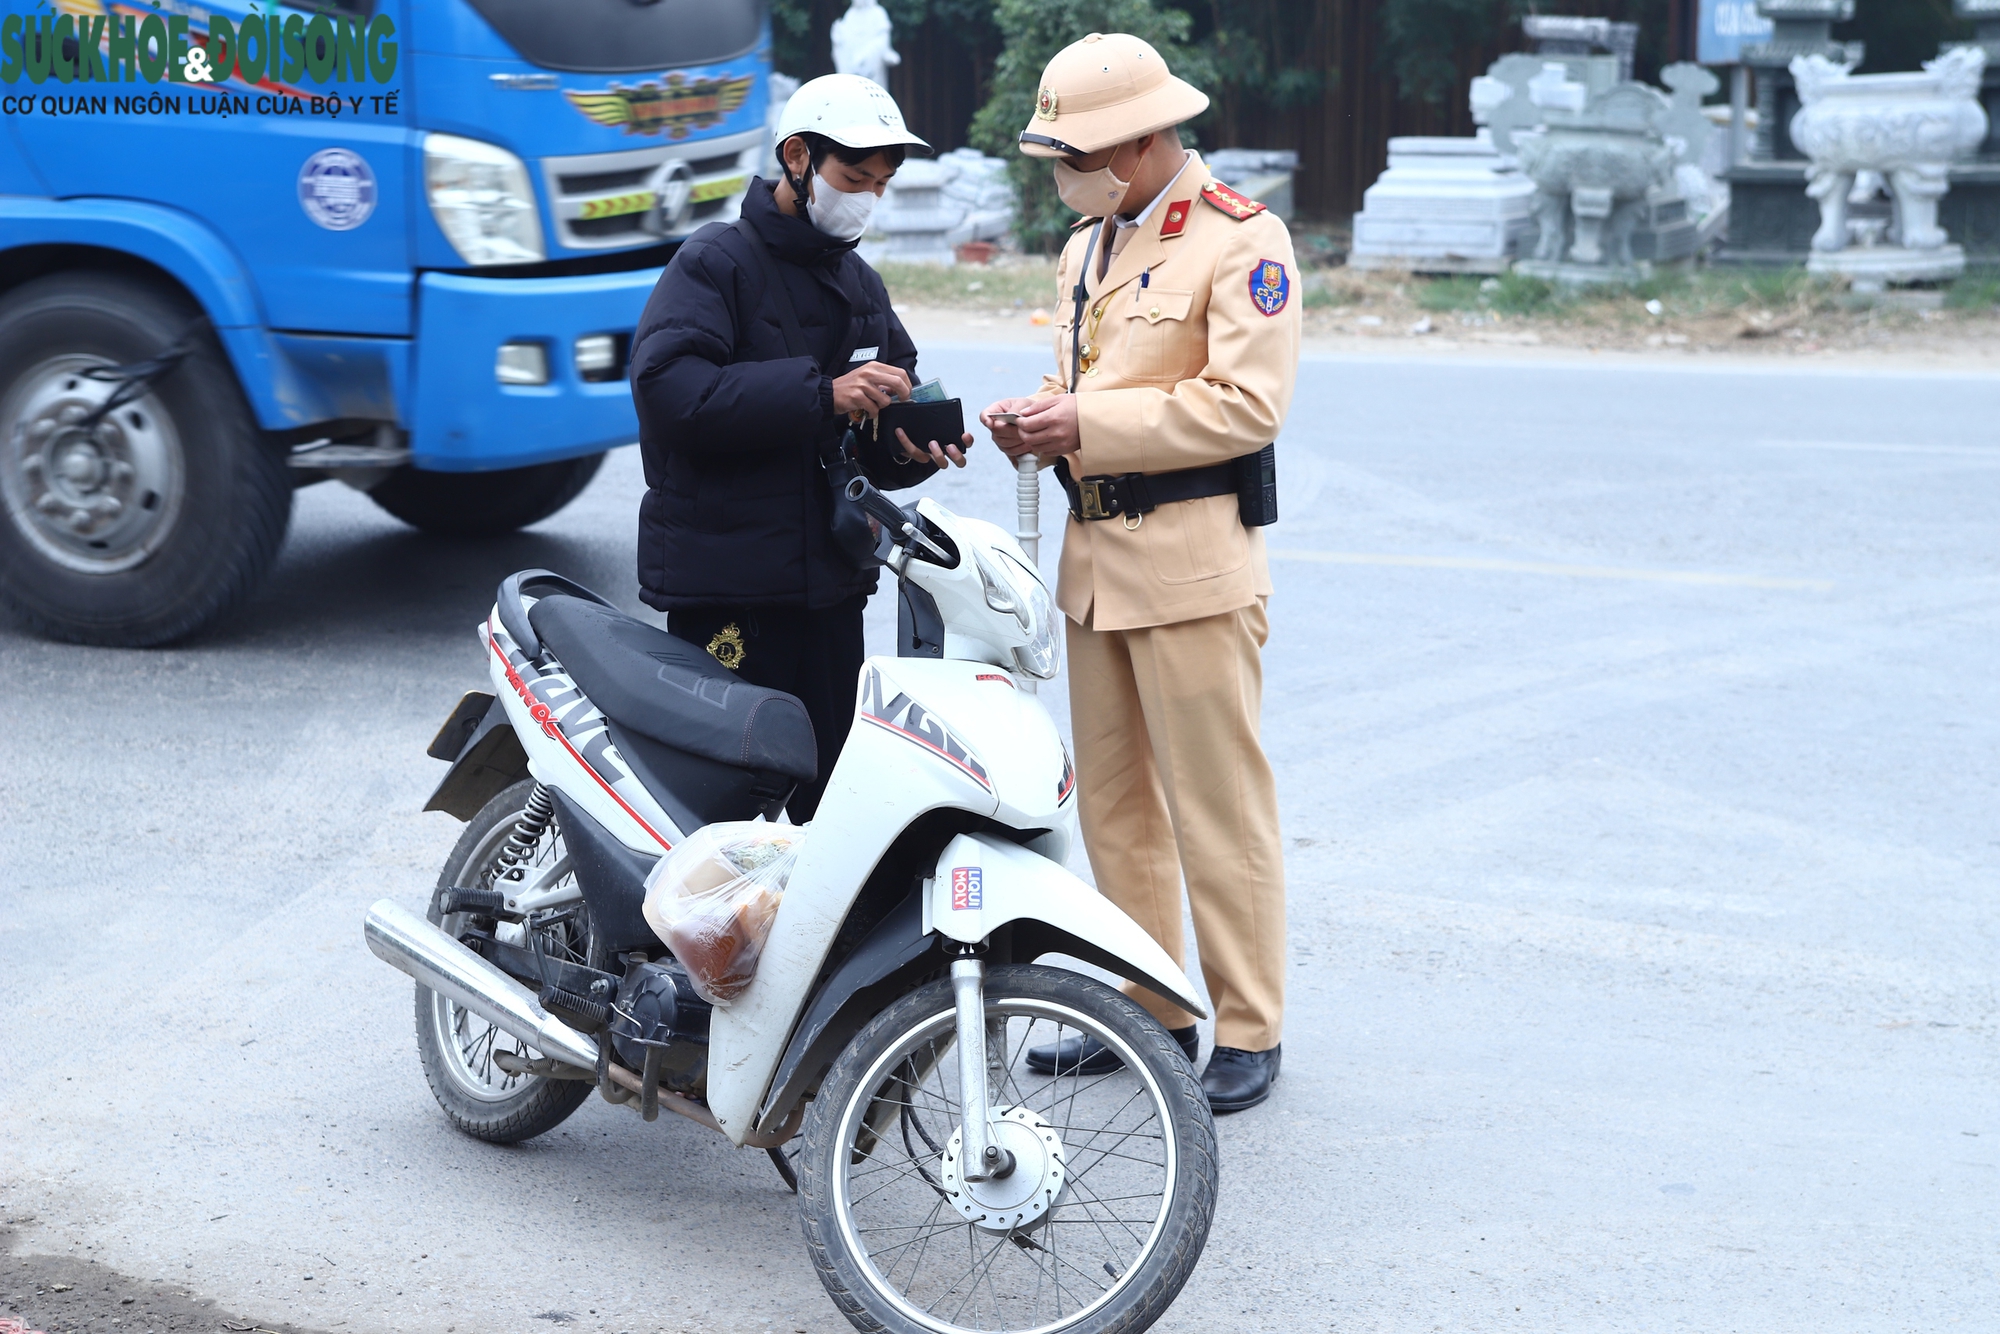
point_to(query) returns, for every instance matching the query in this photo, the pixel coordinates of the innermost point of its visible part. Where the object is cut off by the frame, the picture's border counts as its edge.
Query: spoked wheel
(1101, 1220)
(513, 845)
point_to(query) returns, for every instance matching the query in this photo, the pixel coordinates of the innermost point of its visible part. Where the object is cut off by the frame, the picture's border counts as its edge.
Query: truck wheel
(484, 504)
(163, 516)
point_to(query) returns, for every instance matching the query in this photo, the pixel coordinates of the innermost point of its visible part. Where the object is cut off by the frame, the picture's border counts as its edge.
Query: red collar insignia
(1177, 215)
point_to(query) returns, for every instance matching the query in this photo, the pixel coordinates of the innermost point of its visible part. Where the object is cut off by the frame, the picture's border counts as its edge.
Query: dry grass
(1709, 309)
(1011, 282)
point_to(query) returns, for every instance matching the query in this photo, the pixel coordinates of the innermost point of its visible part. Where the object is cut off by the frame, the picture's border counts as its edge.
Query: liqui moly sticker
(965, 889)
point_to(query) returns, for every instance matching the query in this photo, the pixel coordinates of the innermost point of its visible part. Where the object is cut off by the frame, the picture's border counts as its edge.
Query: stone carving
(1605, 150)
(1465, 207)
(1906, 127)
(1562, 35)
(861, 42)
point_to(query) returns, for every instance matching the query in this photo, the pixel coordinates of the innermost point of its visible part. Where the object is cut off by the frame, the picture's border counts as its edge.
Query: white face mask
(838, 214)
(1095, 194)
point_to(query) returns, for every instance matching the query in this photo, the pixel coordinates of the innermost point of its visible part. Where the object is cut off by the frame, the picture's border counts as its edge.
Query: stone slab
(1872, 267)
(1567, 274)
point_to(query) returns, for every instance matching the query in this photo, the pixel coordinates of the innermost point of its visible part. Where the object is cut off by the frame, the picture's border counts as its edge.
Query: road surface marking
(1864, 447)
(1544, 567)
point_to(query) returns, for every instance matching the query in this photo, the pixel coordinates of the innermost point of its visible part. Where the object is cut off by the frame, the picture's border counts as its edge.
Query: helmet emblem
(1045, 105)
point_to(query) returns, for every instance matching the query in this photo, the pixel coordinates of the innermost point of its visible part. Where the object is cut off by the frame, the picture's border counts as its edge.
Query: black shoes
(1236, 1080)
(1087, 1056)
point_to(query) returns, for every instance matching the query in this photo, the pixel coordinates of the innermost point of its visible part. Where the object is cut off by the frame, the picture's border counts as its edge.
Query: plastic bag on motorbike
(713, 898)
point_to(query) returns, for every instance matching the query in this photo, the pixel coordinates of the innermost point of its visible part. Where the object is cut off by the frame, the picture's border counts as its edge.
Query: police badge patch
(1270, 286)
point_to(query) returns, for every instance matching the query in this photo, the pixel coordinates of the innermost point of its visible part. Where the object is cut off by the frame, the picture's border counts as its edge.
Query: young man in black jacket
(758, 346)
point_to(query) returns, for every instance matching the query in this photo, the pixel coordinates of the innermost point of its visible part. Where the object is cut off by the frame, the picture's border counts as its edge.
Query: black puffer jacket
(730, 424)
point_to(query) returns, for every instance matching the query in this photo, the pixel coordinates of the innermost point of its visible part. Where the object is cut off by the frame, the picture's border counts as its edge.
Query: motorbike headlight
(1000, 590)
(482, 200)
(1041, 656)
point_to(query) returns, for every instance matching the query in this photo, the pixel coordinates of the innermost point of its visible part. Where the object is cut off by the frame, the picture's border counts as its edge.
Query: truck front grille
(605, 200)
(598, 182)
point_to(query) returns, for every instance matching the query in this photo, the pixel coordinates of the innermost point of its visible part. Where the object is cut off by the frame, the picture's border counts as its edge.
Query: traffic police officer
(1176, 362)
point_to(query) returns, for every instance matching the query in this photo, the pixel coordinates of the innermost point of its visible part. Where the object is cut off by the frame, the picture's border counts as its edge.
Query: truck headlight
(482, 200)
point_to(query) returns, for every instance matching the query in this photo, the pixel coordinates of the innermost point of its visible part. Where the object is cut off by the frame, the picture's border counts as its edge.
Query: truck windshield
(620, 36)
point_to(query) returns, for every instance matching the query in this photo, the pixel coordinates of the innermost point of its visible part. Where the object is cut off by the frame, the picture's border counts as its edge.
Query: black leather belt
(1108, 496)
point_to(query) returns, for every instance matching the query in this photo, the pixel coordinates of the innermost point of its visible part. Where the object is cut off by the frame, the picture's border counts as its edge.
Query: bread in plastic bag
(712, 900)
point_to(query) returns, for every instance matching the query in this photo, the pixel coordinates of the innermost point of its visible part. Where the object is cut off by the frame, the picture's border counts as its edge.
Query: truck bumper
(463, 419)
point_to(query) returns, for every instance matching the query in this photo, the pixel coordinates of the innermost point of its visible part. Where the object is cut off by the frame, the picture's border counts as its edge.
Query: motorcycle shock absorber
(527, 834)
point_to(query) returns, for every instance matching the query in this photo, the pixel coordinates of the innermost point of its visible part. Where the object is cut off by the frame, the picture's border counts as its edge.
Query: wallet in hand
(942, 422)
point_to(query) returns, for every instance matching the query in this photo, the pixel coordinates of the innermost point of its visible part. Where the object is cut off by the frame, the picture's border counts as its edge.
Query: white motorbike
(881, 1053)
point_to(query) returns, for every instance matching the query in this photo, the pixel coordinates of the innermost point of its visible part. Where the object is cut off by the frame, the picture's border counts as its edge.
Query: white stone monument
(913, 223)
(861, 42)
(1898, 132)
(1264, 174)
(1445, 205)
(934, 206)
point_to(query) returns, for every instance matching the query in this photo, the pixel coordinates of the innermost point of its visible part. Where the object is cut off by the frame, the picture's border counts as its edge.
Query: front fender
(984, 883)
(182, 245)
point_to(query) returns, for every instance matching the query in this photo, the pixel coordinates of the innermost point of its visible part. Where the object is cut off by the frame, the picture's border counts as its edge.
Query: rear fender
(490, 761)
(983, 883)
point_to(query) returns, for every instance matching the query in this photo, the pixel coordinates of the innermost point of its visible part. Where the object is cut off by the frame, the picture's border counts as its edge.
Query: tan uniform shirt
(1197, 366)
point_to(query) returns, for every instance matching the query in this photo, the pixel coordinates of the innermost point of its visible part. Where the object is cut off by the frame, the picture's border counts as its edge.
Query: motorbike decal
(909, 719)
(1068, 783)
(1007, 681)
(967, 892)
(581, 730)
(676, 107)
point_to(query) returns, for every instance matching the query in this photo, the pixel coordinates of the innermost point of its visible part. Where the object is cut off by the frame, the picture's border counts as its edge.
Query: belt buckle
(1090, 495)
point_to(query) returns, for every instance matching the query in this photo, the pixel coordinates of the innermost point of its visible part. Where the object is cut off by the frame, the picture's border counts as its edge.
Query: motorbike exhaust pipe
(410, 944)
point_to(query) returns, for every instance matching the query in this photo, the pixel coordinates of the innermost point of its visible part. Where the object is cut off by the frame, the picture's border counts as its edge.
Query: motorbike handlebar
(878, 506)
(901, 524)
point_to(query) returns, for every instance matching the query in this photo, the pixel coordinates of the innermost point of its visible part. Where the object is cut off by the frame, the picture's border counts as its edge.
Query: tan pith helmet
(1104, 90)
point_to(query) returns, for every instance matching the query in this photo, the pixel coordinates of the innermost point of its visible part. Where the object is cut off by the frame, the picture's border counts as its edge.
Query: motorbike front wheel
(1100, 1222)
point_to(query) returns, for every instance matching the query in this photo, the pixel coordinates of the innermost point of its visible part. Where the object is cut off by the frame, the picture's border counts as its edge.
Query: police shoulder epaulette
(1236, 206)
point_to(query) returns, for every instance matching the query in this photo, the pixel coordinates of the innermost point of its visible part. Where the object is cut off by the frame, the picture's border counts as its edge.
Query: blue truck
(400, 244)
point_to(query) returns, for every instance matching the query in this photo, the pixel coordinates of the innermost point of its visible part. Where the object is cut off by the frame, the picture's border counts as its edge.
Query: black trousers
(815, 655)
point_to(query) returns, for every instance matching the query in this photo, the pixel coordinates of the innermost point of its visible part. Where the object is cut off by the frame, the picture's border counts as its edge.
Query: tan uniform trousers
(1173, 784)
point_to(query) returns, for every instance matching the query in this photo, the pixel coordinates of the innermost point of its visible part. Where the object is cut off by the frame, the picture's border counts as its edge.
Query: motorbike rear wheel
(1115, 1173)
(458, 1048)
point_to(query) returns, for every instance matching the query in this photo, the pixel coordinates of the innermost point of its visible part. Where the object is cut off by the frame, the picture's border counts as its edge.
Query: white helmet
(852, 111)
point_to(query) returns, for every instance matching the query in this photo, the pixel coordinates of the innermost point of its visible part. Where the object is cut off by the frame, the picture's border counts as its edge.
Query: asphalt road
(1639, 738)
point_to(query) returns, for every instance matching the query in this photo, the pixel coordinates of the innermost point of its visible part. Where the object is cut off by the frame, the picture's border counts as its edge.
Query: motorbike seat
(672, 692)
